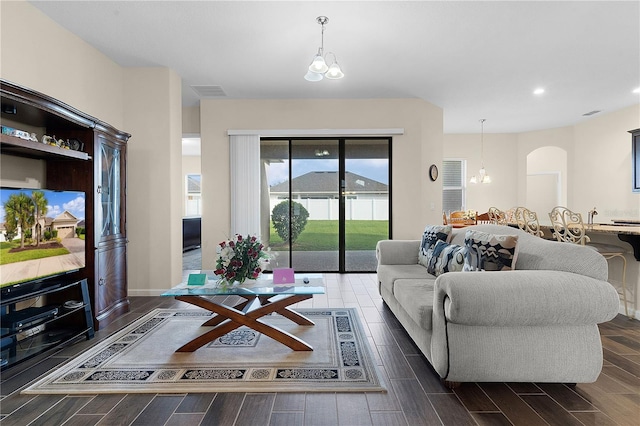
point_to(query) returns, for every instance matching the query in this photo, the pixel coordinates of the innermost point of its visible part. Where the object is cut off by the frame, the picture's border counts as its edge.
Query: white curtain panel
(244, 152)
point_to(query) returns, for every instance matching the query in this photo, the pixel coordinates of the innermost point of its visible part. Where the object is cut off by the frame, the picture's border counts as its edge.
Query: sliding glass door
(366, 201)
(328, 202)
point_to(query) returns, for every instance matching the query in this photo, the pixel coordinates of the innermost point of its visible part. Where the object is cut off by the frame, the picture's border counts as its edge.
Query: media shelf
(38, 320)
(31, 149)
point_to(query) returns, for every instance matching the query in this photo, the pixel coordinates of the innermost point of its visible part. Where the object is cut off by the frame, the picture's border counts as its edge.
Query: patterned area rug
(141, 358)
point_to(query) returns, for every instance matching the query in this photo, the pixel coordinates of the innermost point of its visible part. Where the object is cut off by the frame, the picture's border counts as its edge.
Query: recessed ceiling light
(636, 90)
(538, 91)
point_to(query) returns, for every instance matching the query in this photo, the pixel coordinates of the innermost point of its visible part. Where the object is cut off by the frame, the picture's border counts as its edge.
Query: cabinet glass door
(109, 190)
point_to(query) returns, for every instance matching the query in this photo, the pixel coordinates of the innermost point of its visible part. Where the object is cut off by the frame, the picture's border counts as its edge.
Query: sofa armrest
(397, 252)
(523, 298)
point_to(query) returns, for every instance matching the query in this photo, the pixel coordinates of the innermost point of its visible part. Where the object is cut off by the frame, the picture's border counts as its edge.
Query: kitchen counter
(627, 233)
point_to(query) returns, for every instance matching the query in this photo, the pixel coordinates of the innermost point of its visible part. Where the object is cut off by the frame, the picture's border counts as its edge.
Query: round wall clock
(433, 172)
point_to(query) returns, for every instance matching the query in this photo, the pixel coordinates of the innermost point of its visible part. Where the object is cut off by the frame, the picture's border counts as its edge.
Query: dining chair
(568, 227)
(483, 218)
(497, 216)
(510, 216)
(527, 220)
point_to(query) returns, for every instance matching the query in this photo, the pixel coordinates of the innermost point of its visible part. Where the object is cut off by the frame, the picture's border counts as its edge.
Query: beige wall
(154, 117)
(413, 152)
(602, 165)
(546, 181)
(598, 170)
(500, 162)
(191, 121)
(529, 142)
(39, 54)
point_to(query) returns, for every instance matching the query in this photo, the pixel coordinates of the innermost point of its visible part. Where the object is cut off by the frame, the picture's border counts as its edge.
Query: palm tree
(40, 204)
(18, 211)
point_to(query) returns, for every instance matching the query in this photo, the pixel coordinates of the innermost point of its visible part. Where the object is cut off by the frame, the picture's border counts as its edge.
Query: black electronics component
(25, 317)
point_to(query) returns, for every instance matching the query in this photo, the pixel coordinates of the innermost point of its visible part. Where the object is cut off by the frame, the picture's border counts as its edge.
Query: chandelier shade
(313, 76)
(318, 69)
(334, 72)
(318, 65)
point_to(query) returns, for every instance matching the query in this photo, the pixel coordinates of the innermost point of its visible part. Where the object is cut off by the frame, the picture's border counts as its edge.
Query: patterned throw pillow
(488, 252)
(431, 235)
(446, 257)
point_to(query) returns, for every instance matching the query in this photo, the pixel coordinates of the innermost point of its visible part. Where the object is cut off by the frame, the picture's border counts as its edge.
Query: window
(453, 185)
(193, 204)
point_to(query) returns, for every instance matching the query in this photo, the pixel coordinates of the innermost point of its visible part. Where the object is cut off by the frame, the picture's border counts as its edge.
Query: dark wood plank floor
(415, 395)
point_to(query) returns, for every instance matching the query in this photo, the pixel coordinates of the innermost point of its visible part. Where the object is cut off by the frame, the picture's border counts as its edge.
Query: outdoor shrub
(280, 218)
(47, 235)
(27, 234)
(54, 233)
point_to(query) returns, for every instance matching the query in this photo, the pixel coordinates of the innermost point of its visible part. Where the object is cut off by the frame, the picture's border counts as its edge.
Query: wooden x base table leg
(220, 318)
(229, 318)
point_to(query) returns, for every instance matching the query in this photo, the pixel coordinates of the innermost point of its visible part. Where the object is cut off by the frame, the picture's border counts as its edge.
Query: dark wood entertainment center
(97, 166)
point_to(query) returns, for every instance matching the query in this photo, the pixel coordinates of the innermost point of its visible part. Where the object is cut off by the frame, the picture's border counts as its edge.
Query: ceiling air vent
(209, 91)
(595, 111)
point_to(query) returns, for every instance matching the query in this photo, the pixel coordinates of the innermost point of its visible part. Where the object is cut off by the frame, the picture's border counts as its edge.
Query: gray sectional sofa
(537, 323)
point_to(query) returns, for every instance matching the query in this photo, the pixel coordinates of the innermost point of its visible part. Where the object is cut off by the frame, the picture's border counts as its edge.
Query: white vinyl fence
(356, 209)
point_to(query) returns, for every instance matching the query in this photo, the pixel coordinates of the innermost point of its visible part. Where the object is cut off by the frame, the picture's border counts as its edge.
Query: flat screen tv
(41, 237)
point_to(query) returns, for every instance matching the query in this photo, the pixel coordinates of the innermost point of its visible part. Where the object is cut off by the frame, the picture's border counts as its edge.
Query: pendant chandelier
(483, 177)
(318, 68)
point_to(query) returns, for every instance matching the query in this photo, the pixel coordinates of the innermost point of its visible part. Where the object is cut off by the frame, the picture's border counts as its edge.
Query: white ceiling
(473, 59)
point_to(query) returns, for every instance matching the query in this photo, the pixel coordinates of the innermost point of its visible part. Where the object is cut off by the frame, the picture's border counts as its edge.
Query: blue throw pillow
(446, 257)
(488, 252)
(431, 235)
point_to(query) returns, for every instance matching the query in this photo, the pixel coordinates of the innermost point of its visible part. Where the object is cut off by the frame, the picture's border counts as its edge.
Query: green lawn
(6, 257)
(322, 235)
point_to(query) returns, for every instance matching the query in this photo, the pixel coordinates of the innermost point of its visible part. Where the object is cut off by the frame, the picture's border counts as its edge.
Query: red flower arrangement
(240, 259)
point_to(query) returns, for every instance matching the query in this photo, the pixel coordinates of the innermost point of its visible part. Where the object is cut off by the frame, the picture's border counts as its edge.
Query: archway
(546, 180)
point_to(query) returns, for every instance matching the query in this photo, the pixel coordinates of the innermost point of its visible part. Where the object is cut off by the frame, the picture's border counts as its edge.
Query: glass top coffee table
(261, 297)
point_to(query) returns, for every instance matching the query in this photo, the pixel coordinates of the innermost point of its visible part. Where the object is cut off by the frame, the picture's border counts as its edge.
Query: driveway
(46, 266)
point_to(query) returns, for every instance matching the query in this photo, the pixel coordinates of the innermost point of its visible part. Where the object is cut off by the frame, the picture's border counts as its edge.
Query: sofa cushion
(388, 274)
(489, 252)
(416, 298)
(431, 235)
(446, 257)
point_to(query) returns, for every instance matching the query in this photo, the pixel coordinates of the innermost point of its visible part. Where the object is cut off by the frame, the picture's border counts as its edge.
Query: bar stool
(497, 216)
(568, 227)
(527, 220)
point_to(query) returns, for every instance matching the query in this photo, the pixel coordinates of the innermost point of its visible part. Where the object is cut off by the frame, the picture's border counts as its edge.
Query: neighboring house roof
(65, 216)
(326, 182)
